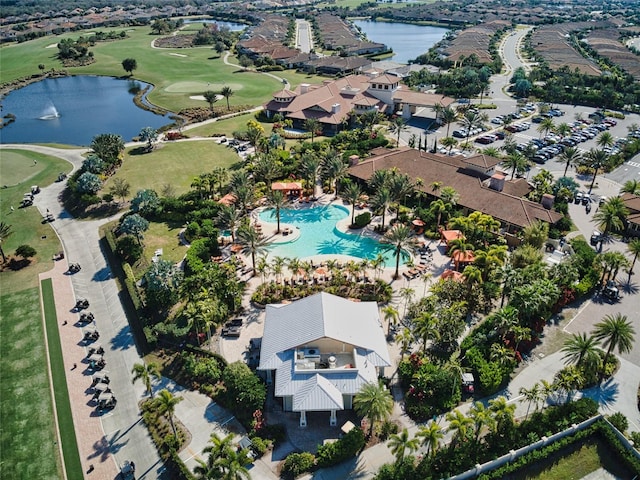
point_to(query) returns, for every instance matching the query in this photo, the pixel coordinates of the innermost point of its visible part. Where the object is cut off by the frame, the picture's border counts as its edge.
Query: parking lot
(523, 129)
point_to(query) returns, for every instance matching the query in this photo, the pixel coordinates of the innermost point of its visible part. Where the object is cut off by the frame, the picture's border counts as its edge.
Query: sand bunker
(200, 87)
(201, 97)
(53, 45)
(177, 55)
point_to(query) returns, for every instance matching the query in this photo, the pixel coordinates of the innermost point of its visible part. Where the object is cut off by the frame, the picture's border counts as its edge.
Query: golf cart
(100, 377)
(611, 291)
(91, 336)
(61, 177)
(99, 389)
(35, 189)
(106, 401)
(96, 362)
(128, 470)
(96, 349)
(86, 317)
(82, 303)
(26, 202)
(468, 383)
(596, 237)
(74, 267)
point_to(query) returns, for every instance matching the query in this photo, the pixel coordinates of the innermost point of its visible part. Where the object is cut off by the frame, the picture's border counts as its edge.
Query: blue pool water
(319, 235)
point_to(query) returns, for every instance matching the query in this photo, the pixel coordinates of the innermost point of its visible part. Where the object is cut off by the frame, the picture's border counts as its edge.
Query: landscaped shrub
(298, 463)
(245, 392)
(362, 220)
(202, 370)
(345, 448)
(129, 249)
(619, 421)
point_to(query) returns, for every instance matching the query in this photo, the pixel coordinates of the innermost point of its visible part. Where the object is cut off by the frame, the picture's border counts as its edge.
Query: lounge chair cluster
(416, 271)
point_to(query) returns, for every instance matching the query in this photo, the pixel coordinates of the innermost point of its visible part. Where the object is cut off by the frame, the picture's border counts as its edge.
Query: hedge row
(600, 427)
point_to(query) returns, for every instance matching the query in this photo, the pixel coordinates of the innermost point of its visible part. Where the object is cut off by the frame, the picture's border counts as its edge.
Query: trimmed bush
(345, 448)
(362, 220)
(298, 463)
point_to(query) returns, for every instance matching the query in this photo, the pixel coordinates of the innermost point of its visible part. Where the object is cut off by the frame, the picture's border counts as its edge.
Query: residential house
(319, 351)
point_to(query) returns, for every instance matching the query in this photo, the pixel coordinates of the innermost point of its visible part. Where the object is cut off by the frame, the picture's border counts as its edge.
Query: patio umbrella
(236, 248)
(321, 271)
(418, 223)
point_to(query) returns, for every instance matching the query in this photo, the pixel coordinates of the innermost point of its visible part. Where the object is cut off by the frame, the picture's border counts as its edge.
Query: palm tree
(5, 232)
(374, 402)
(398, 239)
(634, 248)
(146, 372)
(333, 170)
(165, 404)
(448, 142)
(391, 316)
(571, 157)
(502, 411)
(351, 195)
(224, 462)
(397, 126)
(596, 159)
(229, 217)
(380, 202)
(449, 195)
(472, 120)
(605, 139)
(404, 338)
(436, 186)
(615, 331)
(211, 97)
(400, 443)
(582, 350)
(448, 116)
(277, 201)
(309, 167)
(460, 424)
(612, 215)
(252, 242)
(425, 328)
(546, 126)
(438, 207)
(530, 395)
(431, 435)
(312, 126)
(482, 417)
(226, 92)
(563, 129)
(631, 186)
(516, 162)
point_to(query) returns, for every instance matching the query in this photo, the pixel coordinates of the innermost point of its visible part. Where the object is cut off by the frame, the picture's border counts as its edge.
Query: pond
(72, 110)
(406, 39)
(233, 26)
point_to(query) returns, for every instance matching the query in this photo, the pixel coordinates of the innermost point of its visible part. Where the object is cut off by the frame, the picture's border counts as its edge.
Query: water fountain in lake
(50, 113)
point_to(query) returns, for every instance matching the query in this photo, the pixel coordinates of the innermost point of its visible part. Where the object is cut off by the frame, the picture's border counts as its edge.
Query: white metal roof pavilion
(322, 348)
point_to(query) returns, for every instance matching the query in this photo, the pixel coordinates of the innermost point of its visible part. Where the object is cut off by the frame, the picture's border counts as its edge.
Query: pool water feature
(319, 235)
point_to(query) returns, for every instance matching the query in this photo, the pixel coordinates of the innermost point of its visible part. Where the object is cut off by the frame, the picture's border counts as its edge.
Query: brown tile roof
(454, 172)
(419, 98)
(632, 202)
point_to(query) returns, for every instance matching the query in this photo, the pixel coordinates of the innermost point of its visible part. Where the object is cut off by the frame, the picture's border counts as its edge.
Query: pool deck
(238, 348)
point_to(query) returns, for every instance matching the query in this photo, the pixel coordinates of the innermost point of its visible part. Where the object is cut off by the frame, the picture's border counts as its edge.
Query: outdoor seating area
(416, 271)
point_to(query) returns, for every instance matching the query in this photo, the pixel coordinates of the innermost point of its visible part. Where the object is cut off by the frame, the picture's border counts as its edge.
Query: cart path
(92, 445)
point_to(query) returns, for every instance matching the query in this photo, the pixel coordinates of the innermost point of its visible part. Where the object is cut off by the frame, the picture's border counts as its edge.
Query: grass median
(72, 463)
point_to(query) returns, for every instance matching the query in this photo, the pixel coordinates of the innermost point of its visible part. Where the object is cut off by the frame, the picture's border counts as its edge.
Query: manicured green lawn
(177, 74)
(172, 163)
(575, 464)
(28, 446)
(72, 463)
(18, 173)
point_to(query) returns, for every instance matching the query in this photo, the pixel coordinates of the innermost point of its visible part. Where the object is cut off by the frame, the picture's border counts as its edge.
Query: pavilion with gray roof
(321, 350)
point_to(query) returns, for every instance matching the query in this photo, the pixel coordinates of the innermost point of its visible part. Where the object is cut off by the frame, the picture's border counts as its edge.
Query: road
(304, 36)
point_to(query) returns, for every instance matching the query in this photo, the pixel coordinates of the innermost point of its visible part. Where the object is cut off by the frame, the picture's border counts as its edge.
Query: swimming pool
(319, 235)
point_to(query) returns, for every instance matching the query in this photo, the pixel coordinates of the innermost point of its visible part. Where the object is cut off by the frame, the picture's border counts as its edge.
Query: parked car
(459, 133)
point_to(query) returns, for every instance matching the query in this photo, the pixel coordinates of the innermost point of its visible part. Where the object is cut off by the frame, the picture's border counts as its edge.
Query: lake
(406, 39)
(233, 26)
(72, 110)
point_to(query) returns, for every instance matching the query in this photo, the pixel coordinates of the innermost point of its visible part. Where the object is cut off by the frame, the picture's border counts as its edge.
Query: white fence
(514, 454)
